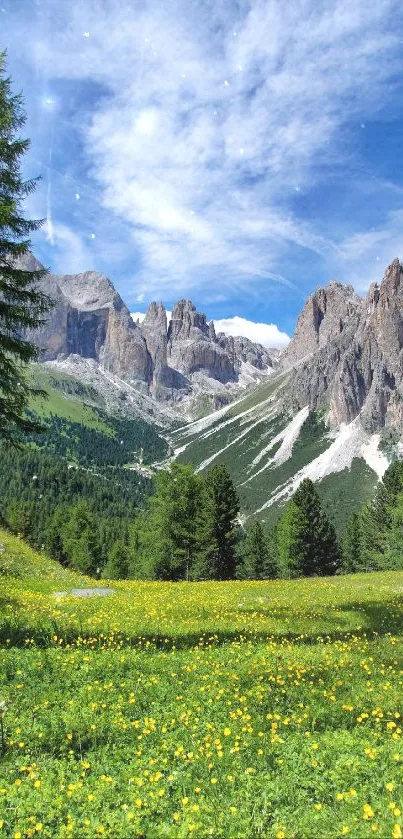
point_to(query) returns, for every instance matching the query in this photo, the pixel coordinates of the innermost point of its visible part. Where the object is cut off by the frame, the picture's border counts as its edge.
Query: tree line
(187, 526)
(190, 529)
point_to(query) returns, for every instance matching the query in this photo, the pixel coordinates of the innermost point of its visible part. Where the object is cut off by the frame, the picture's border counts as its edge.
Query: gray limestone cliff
(324, 317)
(89, 319)
(347, 356)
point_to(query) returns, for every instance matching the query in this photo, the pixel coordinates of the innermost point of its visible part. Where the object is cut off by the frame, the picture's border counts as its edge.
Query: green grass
(268, 709)
(66, 398)
(32, 569)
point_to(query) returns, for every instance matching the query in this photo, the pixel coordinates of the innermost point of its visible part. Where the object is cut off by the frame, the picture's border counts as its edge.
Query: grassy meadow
(269, 709)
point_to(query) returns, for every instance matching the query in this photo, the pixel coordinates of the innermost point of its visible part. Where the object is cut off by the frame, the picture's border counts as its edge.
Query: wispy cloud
(212, 120)
(369, 252)
(66, 241)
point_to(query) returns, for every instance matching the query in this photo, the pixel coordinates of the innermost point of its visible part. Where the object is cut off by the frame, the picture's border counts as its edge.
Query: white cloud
(267, 334)
(200, 136)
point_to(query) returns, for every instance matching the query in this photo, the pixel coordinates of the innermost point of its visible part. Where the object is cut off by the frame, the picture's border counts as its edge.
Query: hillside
(33, 570)
(232, 709)
(269, 447)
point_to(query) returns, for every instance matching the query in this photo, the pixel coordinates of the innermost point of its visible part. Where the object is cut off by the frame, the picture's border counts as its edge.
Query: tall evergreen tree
(272, 569)
(169, 535)
(256, 559)
(222, 508)
(79, 538)
(117, 564)
(306, 538)
(22, 303)
(377, 517)
(352, 546)
(54, 534)
(393, 556)
(19, 518)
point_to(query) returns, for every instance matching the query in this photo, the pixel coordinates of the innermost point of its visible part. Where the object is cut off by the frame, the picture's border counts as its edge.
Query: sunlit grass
(207, 709)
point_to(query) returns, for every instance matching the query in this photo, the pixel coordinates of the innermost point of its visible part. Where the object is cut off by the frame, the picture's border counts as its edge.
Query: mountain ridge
(178, 364)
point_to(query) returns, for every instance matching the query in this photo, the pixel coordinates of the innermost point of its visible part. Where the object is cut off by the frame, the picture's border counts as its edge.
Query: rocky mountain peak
(91, 322)
(322, 319)
(355, 361)
(187, 323)
(392, 284)
(156, 316)
(154, 331)
(89, 291)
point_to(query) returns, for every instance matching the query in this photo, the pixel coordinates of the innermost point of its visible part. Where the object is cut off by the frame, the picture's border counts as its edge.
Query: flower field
(268, 709)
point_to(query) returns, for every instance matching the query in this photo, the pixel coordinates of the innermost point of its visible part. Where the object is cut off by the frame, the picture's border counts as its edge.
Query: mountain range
(181, 364)
(330, 404)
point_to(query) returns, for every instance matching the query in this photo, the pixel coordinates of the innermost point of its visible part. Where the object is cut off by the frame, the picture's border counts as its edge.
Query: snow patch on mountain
(350, 441)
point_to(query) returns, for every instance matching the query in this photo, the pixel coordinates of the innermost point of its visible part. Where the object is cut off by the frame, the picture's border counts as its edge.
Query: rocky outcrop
(359, 369)
(243, 351)
(193, 347)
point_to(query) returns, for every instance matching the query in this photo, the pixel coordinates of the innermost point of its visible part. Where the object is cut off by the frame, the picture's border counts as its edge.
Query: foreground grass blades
(211, 709)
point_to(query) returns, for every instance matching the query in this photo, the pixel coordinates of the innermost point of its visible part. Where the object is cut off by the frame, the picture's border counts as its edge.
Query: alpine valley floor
(210, 709)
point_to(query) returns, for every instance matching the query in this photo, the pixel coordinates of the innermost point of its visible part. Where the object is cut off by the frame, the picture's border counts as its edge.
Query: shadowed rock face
(371, 373)
(243, 351)
(90, 319)
(359, 369)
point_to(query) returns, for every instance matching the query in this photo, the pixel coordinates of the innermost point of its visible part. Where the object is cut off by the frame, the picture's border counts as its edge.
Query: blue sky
(237, 153)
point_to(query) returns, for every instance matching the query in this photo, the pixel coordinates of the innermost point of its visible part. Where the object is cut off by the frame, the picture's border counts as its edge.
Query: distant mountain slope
(270, 447)
(78, 425)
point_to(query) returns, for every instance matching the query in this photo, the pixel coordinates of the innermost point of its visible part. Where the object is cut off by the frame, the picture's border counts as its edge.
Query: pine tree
(22, 304)
(116, 567)
(222, 508)
(271, 569)
(393, 557)
(352, 547)
(377, 518)
(306, 538)
(54, 535)
(255, 563)
(170, 534)
(79, 538)
(19, 518)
